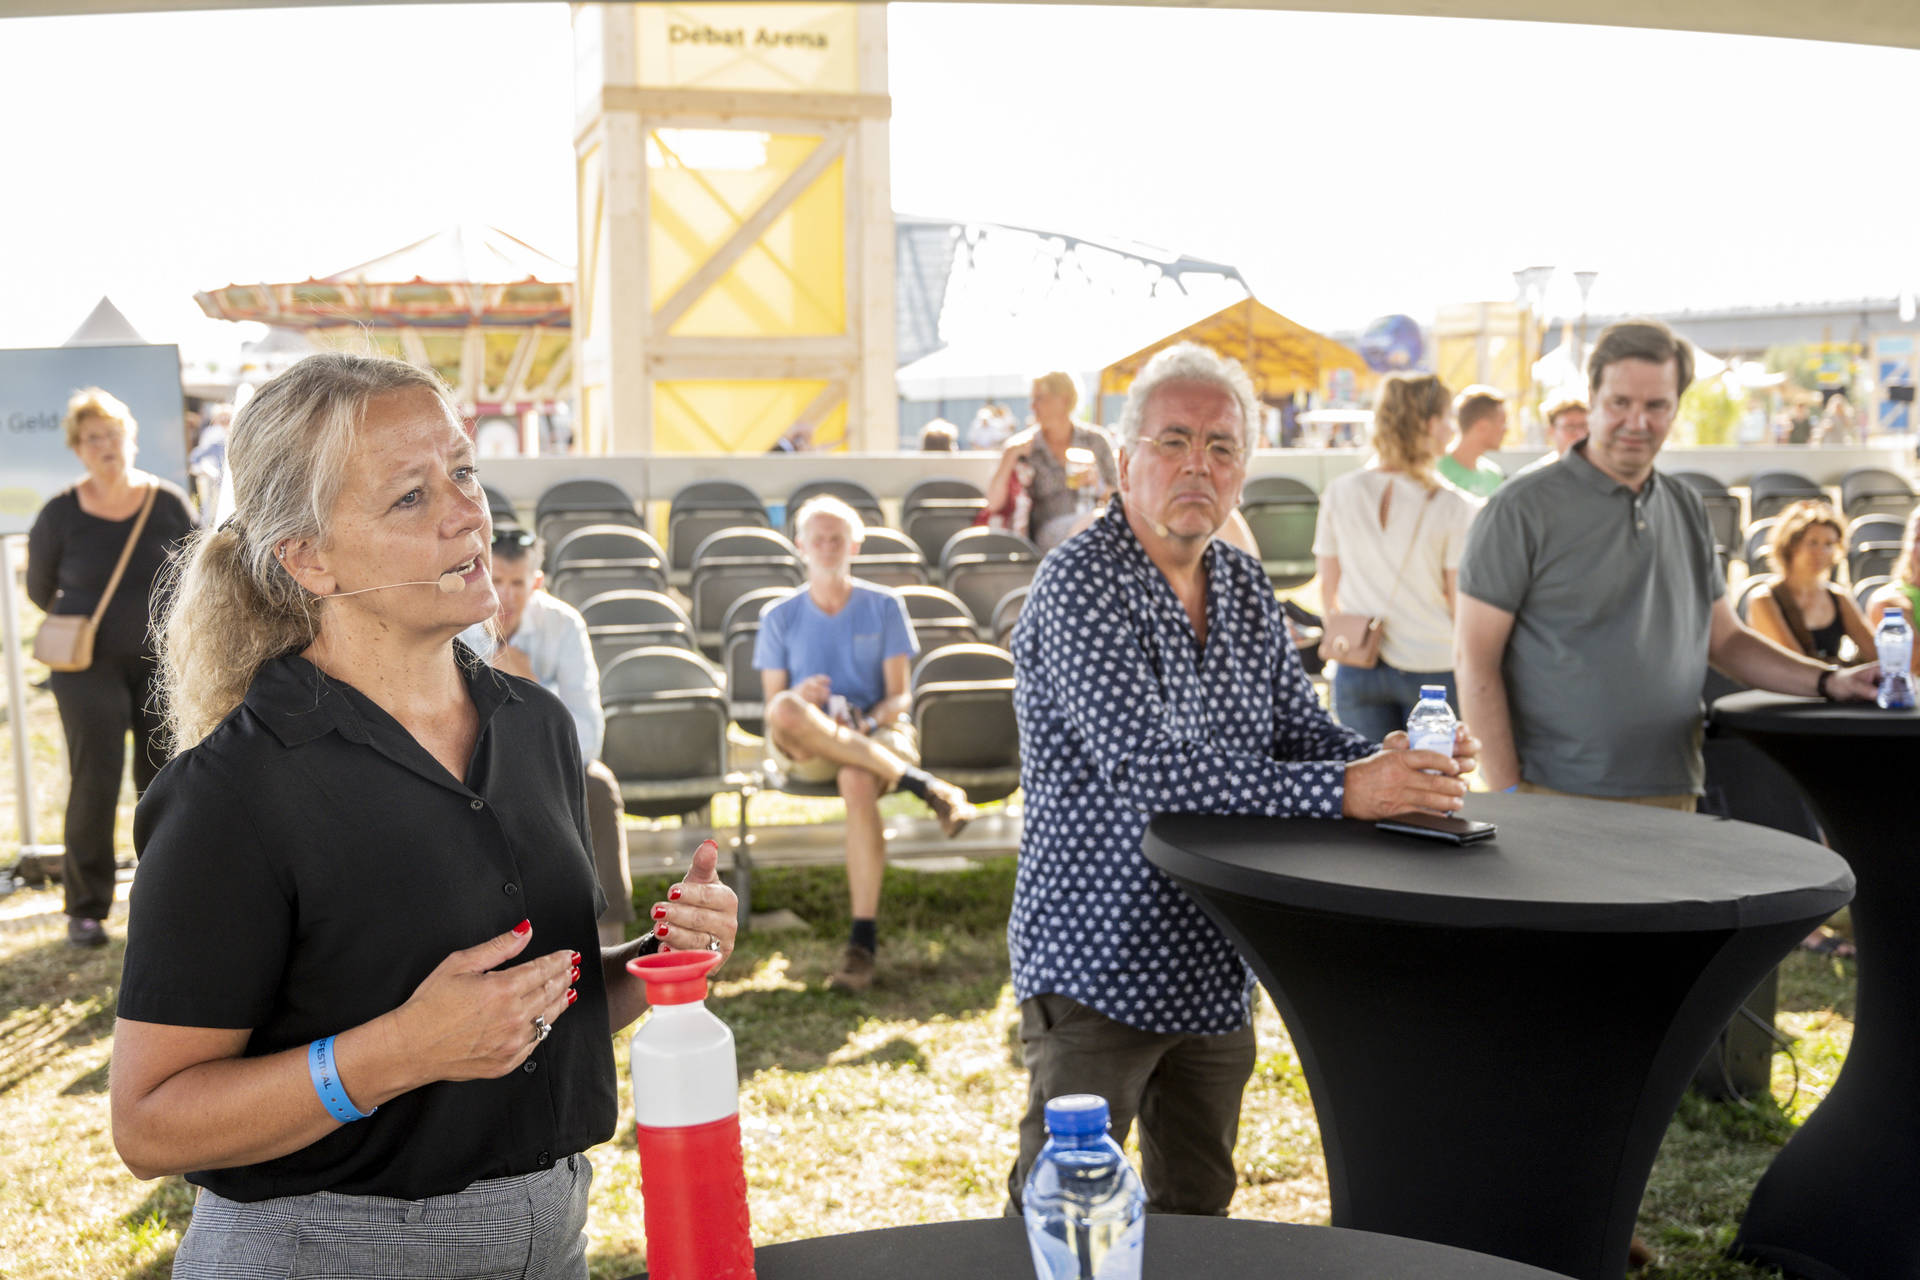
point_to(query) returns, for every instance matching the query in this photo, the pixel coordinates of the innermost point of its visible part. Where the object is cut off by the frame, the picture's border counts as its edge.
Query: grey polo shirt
(1612, 594)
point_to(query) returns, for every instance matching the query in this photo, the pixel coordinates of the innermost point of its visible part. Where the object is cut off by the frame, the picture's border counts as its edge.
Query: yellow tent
(1281, 356)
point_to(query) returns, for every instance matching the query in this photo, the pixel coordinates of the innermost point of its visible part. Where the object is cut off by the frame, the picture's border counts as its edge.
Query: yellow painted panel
(737, 416)
(546, 351)
(498, 347)
(702, 184)
(792, 281)
(785, 48)
(446, 352)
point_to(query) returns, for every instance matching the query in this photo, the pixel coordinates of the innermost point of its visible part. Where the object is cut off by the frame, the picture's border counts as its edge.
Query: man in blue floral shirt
(1153, 674)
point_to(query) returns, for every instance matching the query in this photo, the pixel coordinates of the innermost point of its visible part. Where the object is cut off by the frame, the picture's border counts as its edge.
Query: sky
(1350, 165)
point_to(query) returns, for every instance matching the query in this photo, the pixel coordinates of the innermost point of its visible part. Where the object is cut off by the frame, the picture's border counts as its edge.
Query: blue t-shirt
(850, 647)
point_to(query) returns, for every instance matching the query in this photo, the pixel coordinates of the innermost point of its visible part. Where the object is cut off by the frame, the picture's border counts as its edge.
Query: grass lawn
(895, 1107)
(891, 1108)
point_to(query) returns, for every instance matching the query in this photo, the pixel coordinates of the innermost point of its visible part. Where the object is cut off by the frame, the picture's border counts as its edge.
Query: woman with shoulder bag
(1388, 542)
(92, 557)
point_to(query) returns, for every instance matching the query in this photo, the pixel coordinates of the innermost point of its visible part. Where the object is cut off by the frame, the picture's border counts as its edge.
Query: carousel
(489, 313)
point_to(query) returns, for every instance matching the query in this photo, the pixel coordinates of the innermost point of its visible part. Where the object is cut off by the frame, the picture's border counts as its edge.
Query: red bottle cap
(675, 977)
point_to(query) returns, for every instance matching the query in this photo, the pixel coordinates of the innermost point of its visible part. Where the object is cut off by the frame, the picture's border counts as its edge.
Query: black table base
(1842, 1199)
(1591, 1038)
(1496, 1037)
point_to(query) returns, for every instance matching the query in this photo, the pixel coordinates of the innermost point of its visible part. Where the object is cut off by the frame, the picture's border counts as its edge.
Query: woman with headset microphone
(364, 1008)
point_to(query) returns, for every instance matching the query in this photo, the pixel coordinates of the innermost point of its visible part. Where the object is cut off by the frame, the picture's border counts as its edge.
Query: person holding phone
(363, 1008)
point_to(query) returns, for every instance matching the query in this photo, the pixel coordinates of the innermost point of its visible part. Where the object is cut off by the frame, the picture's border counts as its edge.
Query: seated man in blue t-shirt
(833, 661)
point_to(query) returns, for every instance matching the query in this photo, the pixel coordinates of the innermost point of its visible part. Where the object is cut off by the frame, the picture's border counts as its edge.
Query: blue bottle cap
(1438, 691)
(1076, 1115)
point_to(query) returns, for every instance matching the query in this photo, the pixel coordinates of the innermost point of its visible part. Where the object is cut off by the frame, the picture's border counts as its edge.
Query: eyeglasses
(1177, 447)
(512, 538)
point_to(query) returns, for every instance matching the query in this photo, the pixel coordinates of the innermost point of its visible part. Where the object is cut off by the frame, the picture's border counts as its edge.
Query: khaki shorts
(1686, 804)
(900, 738)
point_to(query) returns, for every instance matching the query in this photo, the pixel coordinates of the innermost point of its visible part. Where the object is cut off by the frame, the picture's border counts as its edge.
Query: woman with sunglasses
(364, 1009)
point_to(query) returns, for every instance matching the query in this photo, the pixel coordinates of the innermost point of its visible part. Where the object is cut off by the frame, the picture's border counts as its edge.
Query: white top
(1418, 635)
(553, 635)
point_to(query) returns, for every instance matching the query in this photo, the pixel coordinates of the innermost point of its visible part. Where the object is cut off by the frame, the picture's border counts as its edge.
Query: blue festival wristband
(326, 1083)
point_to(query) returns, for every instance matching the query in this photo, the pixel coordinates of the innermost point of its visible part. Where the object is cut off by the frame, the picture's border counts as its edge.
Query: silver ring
(713, 943)
(540, 1029)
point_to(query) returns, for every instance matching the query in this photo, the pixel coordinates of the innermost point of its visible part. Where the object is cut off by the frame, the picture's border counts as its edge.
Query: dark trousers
(98, 707)
(1374, 701)
(606, 815)
(1185, 1089)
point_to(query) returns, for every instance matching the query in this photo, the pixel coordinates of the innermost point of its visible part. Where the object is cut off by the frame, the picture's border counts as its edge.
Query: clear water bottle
(1431, 726)
(1894, 639)
(1086, 1212)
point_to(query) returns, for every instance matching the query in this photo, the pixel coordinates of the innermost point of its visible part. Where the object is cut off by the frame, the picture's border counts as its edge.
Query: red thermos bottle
(686, 1105)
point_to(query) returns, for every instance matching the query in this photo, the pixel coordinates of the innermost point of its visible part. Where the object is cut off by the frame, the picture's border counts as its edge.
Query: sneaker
(949, 805)
(855, 970)
(83, 931)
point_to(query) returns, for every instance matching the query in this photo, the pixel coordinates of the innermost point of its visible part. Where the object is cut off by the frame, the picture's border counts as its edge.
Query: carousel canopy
(461, 276)
(489, 312)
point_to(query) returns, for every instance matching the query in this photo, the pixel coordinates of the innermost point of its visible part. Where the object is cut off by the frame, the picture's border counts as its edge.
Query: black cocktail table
(1496, 1037)
(1177, 1249)
(1842, 1199)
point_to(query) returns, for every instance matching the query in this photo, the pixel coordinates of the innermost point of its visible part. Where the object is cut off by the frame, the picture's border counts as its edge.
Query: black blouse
(304, 869)
(70, 556)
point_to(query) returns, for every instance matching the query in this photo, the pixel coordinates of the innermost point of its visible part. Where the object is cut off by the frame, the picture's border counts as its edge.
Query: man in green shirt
(1480, 417)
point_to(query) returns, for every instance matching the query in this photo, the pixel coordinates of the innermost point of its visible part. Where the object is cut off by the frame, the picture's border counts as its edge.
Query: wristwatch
(1820, 685)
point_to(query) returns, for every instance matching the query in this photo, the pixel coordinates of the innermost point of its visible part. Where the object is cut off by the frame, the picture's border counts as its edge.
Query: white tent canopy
(1557, 372)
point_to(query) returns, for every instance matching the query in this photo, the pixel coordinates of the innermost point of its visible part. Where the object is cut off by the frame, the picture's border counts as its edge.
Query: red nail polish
(572, 995)
(673, 894)
(524, 928)
(573, 958)
(661, 932)
(659, 912)
(573, 977)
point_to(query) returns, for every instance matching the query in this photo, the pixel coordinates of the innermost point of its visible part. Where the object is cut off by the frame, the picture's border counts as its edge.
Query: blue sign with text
(35, 385)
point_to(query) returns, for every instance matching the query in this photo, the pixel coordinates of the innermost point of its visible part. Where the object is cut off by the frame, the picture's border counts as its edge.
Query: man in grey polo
(1591, 603)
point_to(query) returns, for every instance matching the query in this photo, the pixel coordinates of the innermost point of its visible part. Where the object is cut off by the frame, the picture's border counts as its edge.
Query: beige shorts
(1686, 804)
(900, 737)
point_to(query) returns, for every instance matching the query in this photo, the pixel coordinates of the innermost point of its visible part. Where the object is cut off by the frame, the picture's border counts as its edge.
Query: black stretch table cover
(1177, 1249)
(1842, 1200)
(1496, 1036)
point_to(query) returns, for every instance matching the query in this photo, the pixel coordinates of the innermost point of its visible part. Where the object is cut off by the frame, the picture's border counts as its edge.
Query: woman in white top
(1388, 543)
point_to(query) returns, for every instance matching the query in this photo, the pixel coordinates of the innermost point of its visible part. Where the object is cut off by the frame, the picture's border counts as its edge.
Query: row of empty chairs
(667, 713)
(1864, 491)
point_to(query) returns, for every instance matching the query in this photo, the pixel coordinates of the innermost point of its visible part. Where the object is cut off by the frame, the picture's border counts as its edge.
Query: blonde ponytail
(221, 626)
(228, 607)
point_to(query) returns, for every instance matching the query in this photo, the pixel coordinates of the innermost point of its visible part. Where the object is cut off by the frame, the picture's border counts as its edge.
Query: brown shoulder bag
(1353, 639)
(65, 640)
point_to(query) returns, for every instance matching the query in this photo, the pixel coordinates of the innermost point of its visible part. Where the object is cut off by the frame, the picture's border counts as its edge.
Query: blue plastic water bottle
(1086, 1212)
(1431, 726)
(1894, 639)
